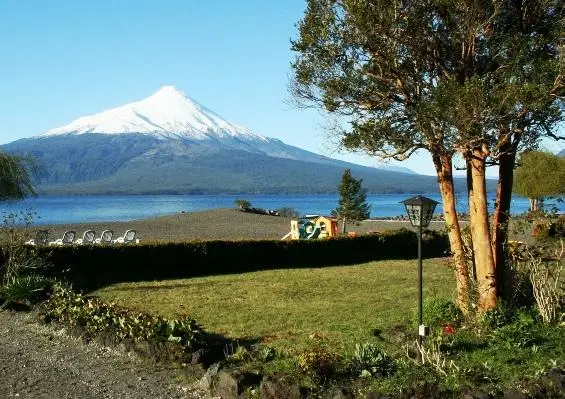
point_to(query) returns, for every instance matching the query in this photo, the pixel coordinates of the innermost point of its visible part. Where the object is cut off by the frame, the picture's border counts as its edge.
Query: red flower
(448, 329)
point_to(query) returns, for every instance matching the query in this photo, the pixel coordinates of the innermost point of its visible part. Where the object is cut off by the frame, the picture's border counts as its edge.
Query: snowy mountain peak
(166, 113)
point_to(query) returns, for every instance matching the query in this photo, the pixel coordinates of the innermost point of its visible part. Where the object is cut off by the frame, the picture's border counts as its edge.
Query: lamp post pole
(420, 289)
(420, 212)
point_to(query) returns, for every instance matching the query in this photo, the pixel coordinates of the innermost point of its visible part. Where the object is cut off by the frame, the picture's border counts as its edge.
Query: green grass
(284, 307)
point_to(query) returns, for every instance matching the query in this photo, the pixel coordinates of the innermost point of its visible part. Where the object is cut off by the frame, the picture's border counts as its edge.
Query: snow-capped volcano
(166, 113)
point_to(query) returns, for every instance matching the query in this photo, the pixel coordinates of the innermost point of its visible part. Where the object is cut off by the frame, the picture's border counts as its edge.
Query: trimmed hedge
(91, 267)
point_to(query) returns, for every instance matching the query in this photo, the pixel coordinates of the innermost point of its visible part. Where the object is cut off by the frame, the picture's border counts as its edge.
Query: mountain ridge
(170, 143)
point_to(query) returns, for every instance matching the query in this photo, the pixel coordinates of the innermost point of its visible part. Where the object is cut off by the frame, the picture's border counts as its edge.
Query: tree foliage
(540, 174)
(352, 205)
(15, 177)
(476, 78)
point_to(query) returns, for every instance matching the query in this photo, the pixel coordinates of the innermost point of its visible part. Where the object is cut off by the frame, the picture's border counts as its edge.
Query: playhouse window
(322, 226)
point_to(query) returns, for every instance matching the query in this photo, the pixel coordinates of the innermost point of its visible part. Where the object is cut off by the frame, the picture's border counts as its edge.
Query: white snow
(166, 113)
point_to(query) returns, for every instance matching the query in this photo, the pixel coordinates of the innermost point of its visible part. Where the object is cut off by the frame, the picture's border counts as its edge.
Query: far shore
(217, 224)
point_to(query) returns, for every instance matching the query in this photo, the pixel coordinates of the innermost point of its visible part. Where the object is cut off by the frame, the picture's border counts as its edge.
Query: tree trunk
(480, 232)
(500, 221)
(444, 170)
(343, 225)
(533, 204)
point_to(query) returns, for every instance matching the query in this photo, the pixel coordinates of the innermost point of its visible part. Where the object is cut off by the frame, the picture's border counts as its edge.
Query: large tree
(540, 174)
(15, 178)
(352, 205)
(473, 78)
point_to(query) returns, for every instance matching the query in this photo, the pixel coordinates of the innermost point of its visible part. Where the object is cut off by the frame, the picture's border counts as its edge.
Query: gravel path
(39, 361)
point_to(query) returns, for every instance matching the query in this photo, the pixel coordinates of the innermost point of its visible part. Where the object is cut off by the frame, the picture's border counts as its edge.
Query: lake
(103, 208)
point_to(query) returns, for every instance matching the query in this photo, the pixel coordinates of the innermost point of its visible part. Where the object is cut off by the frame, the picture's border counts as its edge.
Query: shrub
(541, 229)
(73, 309)
(368, 358)
(22, 268)
(90, 267)
(288, 212)
(320, 361)
(242, 204)
(522, 333)
(440, 311)
(559, 226)
(30, 289)
(501, 315)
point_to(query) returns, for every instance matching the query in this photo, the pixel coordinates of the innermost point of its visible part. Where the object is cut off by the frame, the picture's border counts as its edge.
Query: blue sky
(61, 59)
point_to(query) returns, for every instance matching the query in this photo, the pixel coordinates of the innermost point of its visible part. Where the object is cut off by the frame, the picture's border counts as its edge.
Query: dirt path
(38, 361)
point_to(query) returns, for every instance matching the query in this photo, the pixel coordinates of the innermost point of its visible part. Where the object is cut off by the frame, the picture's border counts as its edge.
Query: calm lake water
(77, 209)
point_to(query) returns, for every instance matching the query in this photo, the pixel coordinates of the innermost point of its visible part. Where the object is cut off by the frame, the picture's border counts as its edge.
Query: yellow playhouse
(311, 227)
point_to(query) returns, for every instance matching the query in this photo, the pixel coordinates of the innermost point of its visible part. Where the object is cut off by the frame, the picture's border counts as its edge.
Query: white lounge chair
(87, 238)
(105, 237)
(68, 238)
(127, 238)
(39, 239)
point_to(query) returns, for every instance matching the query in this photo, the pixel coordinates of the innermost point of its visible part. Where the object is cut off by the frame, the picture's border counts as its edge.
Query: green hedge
(90, 267)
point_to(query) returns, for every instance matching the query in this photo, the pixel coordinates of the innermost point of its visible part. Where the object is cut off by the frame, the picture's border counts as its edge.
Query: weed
(369, 359)
(320, 361)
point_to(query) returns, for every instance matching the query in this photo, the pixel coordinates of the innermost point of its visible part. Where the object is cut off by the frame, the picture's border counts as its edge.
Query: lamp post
(420, 212)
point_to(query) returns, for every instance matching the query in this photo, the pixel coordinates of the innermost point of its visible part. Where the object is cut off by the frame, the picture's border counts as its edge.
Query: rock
(232, 384)
(476, 395)
(272, 389)
(205, 382)
(228, 385)
(374, 395)
(341, 393)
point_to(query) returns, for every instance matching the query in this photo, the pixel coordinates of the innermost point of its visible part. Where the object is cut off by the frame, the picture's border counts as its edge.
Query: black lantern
(420, 212)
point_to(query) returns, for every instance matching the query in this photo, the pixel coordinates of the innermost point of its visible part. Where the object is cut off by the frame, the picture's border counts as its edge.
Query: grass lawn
(284, 307)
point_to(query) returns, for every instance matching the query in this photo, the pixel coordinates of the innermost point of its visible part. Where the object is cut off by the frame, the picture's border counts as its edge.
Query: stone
(228, 385)
(272, 389)
(205, 382)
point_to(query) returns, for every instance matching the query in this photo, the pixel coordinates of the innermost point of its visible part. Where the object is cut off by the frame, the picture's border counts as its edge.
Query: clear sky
(62, 59)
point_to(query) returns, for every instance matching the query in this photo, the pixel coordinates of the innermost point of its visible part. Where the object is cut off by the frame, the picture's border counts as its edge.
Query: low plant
(21, 266)
(71, 308)
(369, 359)
(234, 352)
(499, 316)
(522, 333)
(266, 353)
(320, 361)
(547, 286)
(441, 311)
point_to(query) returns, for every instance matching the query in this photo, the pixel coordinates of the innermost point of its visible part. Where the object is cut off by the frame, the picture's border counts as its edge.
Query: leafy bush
(501, 315)
(74, 309)
(541, 229)
(320, 361)
(441, 311)
(522, 333)
(559, 226)
(30, 289)
(369, 358)
(242, 204)
(288, 212)
(22, 268)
